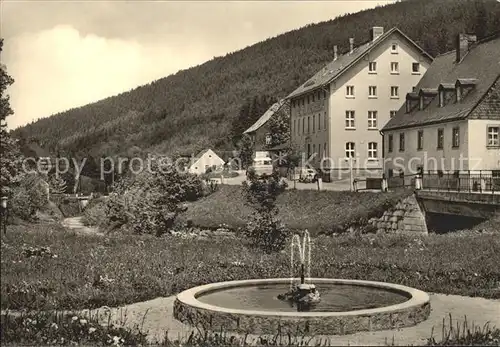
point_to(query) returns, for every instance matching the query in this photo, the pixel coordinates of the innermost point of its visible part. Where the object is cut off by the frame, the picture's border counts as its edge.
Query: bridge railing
(480, 181)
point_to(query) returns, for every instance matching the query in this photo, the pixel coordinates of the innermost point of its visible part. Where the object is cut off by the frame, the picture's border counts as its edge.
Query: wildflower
(91, 330)
(74, 319)
(83, 321)
(54, 326)
(116, 340)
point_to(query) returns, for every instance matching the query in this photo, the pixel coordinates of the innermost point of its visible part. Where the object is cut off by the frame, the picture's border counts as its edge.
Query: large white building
(338, 113)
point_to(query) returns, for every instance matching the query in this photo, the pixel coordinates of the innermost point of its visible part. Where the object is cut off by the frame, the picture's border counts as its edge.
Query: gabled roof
(337, 67)
(480, 65)
(266, 116)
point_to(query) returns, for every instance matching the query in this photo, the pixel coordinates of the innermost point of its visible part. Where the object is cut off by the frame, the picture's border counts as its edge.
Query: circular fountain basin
(347, 306)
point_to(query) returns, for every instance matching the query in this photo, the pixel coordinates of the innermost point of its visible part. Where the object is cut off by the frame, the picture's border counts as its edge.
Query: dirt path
(75, 223)
(156, 317)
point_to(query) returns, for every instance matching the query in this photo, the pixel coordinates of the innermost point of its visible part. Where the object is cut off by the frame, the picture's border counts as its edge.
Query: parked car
(308, 175)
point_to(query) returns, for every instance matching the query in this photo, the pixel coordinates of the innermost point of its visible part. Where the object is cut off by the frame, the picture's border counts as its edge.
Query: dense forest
(209, 104)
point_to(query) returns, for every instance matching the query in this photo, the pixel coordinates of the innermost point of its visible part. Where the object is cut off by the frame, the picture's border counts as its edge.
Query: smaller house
(259, 131)
(204, 160)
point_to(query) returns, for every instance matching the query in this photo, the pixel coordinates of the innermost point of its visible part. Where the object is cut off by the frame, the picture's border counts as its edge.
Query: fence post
(320, 183)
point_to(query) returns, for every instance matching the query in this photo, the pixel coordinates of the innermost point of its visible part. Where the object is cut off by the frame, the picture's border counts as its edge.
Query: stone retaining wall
(406, 216)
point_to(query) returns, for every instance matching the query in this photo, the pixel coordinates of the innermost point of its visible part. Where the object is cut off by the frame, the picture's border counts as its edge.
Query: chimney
(351, 45)
(335, 52)
(463, 45)
(376, 32)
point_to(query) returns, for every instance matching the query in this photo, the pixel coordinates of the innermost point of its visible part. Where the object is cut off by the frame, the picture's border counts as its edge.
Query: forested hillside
(197, 107)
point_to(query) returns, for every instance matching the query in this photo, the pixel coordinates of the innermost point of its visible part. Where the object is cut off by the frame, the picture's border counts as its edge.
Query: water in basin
(334, 298)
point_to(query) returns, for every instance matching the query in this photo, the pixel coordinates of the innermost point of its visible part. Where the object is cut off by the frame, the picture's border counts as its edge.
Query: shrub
(29, 196)
(151, 201)
(264, 228)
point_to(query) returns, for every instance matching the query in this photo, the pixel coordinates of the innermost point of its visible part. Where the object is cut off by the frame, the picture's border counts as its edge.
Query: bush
(264, 228)
(151, 201)
(29, 196)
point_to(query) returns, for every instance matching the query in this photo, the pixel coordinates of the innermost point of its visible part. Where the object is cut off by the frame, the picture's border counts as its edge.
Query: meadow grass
(321, 212)
(78, 271)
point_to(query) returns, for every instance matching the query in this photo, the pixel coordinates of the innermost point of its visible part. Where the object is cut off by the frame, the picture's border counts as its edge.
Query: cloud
(58, 69)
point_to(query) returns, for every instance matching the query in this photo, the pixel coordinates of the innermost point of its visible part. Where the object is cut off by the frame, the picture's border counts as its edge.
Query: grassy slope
(144, 267)
(320, 212)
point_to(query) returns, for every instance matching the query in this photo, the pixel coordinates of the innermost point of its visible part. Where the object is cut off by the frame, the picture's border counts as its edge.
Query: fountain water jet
(301, 248)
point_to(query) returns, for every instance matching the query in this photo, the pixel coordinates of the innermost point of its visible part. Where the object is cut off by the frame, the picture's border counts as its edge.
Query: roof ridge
(481, 99)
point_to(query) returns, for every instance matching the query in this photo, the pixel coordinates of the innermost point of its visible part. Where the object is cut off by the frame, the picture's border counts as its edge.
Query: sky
(65, 54)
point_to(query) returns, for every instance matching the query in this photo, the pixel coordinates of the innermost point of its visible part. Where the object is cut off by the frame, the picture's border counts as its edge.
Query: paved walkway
(156, 317)
(75, 223)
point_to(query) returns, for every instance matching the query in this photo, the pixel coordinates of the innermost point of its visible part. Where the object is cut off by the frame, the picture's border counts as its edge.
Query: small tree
(264, 228)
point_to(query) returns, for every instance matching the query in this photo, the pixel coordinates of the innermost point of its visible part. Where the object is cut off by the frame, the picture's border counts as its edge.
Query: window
(394, 48)
(455, 137)
(325, 119)
(268, 139)
(390, 173)
(349, 91)
(392, 113)
(372, 66)
(349, 120)
(420, 139)
(319, 121)
(308, 99)
(402, 142)
(303, 125)
(372, 119)
(314, 149)
(308, 124)
(394, 67)
(415, 67)
(349, 150)
(314, 123)
(372, 91)
(421, 102)
(313, 97)
(308, 150)
(372, 150)
(294, 130)
(324, 151)
(390, 144)
(394, 92)
(441, 98)
(493, 139)
(440, 139)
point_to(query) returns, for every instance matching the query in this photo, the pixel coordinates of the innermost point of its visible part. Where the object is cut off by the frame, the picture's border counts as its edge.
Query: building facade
(259, 132)
(206, 159)
(336, 116)
(451, 122)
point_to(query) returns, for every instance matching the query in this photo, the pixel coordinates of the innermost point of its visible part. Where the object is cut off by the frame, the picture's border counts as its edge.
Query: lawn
(88, 271)
(321, 212)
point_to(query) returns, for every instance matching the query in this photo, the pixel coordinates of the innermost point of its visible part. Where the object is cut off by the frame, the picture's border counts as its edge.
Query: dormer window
(458, 93)
(421, 102)
(463, 86)
(441, 98)
(408, 106)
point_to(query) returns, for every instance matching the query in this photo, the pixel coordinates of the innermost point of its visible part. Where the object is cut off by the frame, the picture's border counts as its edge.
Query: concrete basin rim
(417, 298)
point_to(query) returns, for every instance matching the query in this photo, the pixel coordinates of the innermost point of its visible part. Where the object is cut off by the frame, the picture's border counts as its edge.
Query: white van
(262, 166)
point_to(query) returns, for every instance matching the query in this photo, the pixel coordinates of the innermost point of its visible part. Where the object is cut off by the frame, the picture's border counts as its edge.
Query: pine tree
(246, 151)
(57, 185)
(279, 127)
(10, 156)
